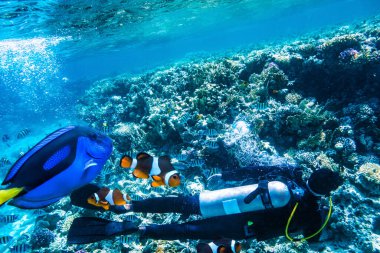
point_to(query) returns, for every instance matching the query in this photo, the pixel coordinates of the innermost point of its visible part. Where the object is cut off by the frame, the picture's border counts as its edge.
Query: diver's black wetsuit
(266, 224)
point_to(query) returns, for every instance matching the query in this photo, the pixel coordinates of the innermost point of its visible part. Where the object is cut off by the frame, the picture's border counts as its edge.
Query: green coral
(269, 81)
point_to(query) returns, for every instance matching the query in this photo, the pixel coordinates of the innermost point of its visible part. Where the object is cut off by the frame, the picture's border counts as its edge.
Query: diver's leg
(229, 226)
(182, 204)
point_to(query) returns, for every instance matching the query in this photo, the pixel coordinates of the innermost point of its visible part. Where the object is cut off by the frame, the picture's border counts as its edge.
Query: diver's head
(323, 181)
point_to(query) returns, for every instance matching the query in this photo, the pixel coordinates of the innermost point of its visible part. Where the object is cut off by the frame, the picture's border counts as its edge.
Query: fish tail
(126, 161)
(8, 194)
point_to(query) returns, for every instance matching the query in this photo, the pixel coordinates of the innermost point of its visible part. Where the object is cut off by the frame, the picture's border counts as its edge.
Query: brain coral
(369, 177)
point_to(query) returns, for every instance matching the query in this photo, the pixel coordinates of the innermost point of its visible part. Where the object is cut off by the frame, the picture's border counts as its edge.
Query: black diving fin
(91, 229)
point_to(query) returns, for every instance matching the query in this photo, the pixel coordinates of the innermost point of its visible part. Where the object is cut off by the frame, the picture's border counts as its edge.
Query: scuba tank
(248, 198)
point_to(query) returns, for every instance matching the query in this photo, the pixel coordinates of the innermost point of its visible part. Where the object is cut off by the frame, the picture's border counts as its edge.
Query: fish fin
(157, 183)
(139, 174)
(126, 161)
(8, 194)
(157, 178)
(23, 203)
(142, 155)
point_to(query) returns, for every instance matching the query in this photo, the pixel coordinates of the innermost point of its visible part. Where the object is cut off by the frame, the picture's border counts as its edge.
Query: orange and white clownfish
(106, 197)
(219, 246)
(159, 168)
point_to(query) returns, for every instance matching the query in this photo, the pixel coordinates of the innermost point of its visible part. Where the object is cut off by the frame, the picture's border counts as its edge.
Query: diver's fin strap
(262, 190)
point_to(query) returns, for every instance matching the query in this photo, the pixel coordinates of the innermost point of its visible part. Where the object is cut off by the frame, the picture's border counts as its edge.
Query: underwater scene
(204, 126)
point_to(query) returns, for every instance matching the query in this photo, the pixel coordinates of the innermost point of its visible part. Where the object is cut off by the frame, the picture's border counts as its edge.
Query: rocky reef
(314, 101)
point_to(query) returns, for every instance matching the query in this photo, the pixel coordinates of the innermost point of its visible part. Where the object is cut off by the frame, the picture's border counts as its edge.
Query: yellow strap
(314, 234)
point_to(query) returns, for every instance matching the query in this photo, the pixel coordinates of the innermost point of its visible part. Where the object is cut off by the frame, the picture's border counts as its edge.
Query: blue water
(52, 51)
(61, 48)
(240, 31)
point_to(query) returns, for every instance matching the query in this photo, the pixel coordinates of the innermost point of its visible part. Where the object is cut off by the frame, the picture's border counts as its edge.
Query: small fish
(107, 170)
(124, 239)
(102, 178)
(219, 246)
(20, 248)
(5, 138)
(159, 168)
(184, 118)
(9, 218)
(131, 218)
(210, 133)
(105, 128)
(145, 190)
(196, 163)
(39, 212)
(181, 157)
(261, 106)
(23, 133)
(158, 190)
(5, 239)
(4, 161)
(24, 236)
(211, 144)
(106, 197)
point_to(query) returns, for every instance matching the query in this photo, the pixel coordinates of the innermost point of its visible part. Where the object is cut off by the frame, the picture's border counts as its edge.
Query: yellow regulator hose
(314, 234)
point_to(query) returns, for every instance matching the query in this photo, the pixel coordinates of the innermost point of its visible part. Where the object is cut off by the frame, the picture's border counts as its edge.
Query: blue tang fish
(63, 161)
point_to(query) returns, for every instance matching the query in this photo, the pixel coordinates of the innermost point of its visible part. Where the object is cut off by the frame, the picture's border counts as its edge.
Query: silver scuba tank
(231, 200)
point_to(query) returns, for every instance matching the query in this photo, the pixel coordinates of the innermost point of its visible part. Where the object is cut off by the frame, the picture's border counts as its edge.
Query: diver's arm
(182, 204)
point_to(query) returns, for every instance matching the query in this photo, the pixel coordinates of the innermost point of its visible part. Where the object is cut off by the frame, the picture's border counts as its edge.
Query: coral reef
(312, 102)
(368, 176)
(41, 237)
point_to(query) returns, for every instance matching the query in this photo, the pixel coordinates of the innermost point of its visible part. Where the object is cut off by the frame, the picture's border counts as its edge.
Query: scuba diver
(277, 202)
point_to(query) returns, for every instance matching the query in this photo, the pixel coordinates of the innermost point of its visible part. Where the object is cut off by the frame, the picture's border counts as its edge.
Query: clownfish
(159, 168)
(106, 197)
(219, 246)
